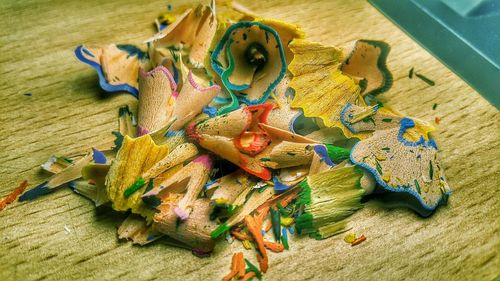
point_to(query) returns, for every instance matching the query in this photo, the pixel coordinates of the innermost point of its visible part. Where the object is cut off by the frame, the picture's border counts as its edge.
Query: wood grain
(67, 112)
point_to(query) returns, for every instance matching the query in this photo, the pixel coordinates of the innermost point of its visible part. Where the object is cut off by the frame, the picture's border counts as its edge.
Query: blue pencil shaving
(98, 156)
(284, 238)
(36, 192)
(279, 186)
(178, 133)
(322, 152)
(210, 111)
(209, 184)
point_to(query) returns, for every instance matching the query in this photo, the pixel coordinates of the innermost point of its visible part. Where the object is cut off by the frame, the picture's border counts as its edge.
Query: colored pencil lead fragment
(98, 156)
(425, 79)
(349, 238)
(11, 197)
(140, 182)
(284, 239)
(254, 269)
(358, 240)
(276, 222)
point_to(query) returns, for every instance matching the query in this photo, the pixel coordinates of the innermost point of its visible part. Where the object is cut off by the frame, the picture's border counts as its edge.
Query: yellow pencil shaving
(369, 111)
(349, 238)
(278, 103)
(134, 158)
(386, 177)
(167, 18)
(319, 65)
(286, 221)
(221, 201)
(180, 154)
(247, 244)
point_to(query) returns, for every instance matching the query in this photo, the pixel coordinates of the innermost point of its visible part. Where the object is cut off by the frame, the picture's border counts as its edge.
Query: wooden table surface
(62, 236)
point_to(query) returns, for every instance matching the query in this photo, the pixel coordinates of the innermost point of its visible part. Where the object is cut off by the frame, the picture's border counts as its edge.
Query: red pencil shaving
(13, 195)
(358, 240)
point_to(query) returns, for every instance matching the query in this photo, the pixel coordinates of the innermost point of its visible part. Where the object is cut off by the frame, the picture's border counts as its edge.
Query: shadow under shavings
(85, 84)
(401, 201)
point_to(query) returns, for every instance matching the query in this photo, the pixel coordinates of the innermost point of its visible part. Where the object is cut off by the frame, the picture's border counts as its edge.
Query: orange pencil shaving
(284, 199)
(248, 276)
(256, 232)
(358, 240)
(234, 269)
(274, 247)
(241, 265)
(237, 267)
(241, 236)
(268, 226)
(13, 195)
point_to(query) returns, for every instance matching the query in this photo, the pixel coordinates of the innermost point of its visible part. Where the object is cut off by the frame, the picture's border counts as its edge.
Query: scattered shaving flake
(13, 195)
(410, 74)
(98, 156)
(425, 79)
(66, 229)
(320, 64)
(349, 238)
(358, 240)
(237, 263)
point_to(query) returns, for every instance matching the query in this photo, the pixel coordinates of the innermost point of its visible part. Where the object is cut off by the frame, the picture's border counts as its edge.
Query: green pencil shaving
(276, 223)
(328, 198)
(254, 269)
(140, 182)
(284, 239)
(337, 154)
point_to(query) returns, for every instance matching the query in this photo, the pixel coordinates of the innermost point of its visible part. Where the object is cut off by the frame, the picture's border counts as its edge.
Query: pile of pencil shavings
(244, 126)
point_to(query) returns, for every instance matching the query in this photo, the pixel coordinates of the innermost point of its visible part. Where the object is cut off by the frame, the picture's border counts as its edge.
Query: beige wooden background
(67, 111)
